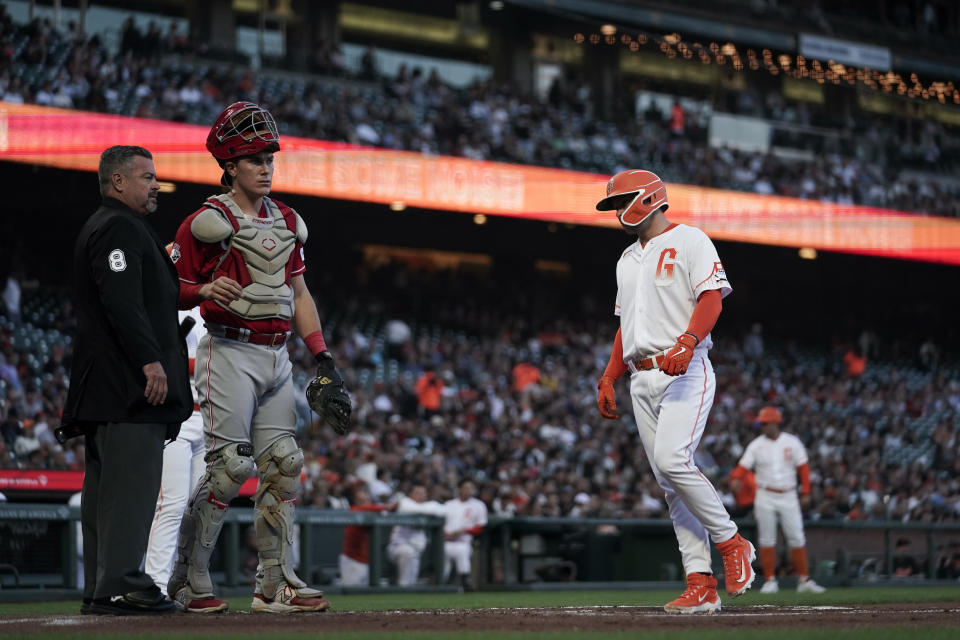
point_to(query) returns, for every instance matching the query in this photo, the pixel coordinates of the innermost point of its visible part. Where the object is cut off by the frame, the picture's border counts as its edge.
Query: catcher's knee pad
(227, 470)
(279, 468)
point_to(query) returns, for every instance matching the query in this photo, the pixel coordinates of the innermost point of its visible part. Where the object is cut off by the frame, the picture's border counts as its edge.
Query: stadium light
(808, 253)
(479, 219)
(398, 205)
(496, 5)
(166, 187)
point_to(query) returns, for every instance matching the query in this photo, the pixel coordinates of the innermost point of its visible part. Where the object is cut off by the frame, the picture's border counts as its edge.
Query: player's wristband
(691, 333)
(315, 342)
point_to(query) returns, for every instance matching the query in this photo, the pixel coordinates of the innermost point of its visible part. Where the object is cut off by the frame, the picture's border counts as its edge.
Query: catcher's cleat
(192, 603)
(290, 600)
(738, 573)
(700, 596)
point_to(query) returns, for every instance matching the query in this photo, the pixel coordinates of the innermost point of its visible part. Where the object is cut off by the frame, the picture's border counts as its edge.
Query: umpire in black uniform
(129, 387)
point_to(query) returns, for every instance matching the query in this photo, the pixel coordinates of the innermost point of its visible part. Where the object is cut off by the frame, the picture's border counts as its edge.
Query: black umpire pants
(124, 462)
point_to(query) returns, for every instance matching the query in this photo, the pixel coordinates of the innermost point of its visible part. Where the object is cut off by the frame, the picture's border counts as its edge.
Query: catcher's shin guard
(279, 469)
(227, 470)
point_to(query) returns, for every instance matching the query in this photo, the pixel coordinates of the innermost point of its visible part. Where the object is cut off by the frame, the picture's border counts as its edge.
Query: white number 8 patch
(116, 260)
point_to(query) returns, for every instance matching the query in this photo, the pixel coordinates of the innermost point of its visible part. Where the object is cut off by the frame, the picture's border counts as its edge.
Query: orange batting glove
(677, 360)
(605, 399)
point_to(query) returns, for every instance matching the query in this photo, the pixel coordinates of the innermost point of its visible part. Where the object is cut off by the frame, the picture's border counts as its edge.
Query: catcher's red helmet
(641, 191)
(242, 129)
(769, 414)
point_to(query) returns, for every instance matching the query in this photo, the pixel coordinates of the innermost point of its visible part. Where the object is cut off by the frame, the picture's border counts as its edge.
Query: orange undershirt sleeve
(616, 367)
(804, 472)
(705, 314)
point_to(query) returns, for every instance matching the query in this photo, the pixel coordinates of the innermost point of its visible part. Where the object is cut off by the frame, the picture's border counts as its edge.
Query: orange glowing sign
(74, 140)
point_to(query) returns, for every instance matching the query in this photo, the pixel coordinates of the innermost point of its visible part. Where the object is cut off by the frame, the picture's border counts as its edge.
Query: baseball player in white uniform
(778, 459)
(670, 283)
(183, 466)
(465, 517)
(408, 543)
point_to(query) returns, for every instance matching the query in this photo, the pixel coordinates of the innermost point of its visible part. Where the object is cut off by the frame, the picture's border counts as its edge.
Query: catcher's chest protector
(266, 245)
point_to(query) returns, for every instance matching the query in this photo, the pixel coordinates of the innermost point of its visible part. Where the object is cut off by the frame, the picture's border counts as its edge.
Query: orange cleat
(738, 573)
(700, 596)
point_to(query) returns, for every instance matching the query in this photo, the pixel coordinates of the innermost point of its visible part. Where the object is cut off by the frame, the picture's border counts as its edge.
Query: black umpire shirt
(125, 290)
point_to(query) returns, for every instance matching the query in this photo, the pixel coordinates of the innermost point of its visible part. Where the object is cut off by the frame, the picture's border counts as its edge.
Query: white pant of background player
(353, 573)
(183, 466)
(770, 506)
(671, 414)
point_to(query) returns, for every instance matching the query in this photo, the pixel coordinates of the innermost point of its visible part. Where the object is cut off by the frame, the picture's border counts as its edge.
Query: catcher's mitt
(326, 395)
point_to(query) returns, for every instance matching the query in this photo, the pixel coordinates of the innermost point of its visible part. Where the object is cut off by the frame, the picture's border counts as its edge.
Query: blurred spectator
(429, 392)
(11, 427)
(753, 343)
(855, 362)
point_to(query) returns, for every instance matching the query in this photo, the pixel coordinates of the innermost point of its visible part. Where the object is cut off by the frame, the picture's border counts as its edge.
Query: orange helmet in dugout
(642, 193)
(769, 414)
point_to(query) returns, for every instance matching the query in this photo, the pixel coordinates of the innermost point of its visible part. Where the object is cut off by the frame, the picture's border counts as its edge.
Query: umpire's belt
(245, 335)
(645, 364)
(775, 490)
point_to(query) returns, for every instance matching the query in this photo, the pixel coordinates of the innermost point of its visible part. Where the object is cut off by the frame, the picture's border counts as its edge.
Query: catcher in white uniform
(778, 459)
(183, 466)
(670, 283)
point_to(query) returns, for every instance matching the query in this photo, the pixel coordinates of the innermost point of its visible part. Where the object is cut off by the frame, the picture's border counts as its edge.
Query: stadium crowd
(459, 376)
(859, 158)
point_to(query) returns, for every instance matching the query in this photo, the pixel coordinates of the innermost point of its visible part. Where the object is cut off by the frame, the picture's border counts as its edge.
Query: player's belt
(645, 364)
(775, 490)
(245, 335)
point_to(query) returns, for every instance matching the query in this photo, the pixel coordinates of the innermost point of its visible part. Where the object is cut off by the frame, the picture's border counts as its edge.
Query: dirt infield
(519, 620)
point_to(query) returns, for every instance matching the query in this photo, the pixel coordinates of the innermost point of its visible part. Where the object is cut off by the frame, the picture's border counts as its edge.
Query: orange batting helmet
(769, 414)
(642, 192)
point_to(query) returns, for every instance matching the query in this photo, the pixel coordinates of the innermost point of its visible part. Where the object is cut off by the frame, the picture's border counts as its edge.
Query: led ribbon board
(74, 139)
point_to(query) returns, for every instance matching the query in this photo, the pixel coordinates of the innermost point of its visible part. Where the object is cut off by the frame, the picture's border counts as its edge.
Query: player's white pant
(457, 552)
(767, 507)
(671, 414)
(407, 558)
(353, 573)
(183, 466)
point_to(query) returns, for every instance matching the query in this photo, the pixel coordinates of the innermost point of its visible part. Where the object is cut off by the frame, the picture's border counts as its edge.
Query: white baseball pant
(767, 507)
(671, 414)
(407, 559)
(183, 466)
(458, 553)
(353, 573)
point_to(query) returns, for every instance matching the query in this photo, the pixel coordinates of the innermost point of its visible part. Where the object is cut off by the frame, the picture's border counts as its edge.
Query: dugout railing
(39, 549)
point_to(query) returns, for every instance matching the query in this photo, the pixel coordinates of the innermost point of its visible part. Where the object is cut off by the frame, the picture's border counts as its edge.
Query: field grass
(448, 601)
(512, 599)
